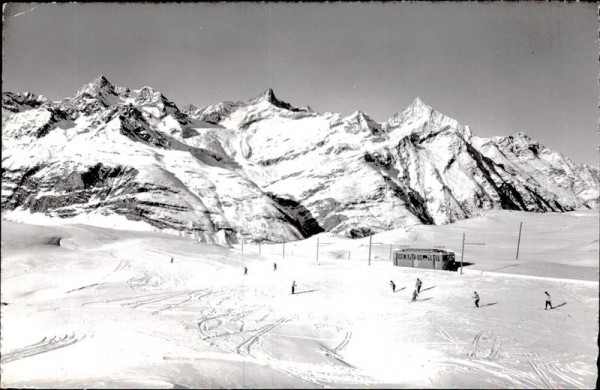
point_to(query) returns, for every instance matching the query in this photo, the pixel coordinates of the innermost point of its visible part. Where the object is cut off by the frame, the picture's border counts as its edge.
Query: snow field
(106, 308)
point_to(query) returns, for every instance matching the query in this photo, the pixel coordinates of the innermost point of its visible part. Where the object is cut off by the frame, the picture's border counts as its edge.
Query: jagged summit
(359, 115)
(17, 102)
(361, 122)
(269, 96)
(425, 121)
(95, 87)
(188, 170)
(101, 79)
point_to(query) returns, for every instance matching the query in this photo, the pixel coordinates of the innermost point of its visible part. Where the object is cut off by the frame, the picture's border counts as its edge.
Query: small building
(431, 258)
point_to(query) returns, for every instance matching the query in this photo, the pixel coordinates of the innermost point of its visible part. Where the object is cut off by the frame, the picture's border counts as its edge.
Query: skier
(293, 287)
(548, 302)
(415, 295)
(418, 286)
(476, 297)
(245, 270)
(393, 285)
(274, 266)
(171, 260)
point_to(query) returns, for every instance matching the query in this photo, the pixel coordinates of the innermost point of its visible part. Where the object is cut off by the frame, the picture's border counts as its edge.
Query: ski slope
(87, 306)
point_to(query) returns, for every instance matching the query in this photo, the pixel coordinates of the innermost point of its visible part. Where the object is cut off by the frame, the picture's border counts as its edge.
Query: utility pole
(519, 242)
(462, 253)
(317, 249)
(463, 250)
(370, 239)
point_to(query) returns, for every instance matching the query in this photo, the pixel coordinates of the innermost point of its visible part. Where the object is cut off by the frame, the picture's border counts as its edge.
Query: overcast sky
(500, 68)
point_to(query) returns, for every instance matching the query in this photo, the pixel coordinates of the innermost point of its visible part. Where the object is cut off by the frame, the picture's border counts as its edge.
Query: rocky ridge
(265, 169)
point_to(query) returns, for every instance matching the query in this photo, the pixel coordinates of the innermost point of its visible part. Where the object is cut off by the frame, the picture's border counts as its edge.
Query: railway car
(431, 258)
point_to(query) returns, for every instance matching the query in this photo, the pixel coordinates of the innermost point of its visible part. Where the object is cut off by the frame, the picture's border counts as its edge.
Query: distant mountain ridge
(266, 169)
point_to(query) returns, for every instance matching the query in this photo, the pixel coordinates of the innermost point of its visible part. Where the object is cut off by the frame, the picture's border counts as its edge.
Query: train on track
(431, 258)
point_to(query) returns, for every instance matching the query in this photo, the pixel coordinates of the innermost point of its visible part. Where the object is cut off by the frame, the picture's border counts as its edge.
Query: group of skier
(475, 297)
(416, 291)
(246, 268)
(274, 269)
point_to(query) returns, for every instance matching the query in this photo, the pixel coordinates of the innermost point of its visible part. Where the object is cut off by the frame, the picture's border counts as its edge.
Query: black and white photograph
(300, 195)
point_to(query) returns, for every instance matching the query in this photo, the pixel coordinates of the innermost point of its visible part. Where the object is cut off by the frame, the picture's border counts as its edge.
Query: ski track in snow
(123, 264)
(42, 346)
(84, 287)
(245, 348)
(247, 320)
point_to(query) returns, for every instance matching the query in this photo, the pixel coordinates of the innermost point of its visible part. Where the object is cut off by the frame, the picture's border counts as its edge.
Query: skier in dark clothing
(171, 260)
(245, 270)
(393, 285)
(419, 283)
(548, 301)
(293, 287)
(415, 295)
(274, 266)
(476, 297)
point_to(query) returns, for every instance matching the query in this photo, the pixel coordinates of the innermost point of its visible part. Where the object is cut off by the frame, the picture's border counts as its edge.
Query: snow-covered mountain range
(266, 169)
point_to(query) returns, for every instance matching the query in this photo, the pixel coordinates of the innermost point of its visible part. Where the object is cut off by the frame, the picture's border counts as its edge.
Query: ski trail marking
(206, 332)
(512, 378)
(40, 347)
(163, 297)
(125, 299)
(122, 265)
(245, 348)
(84, 287)
(344, 342)
(478, 350)
(536, 368)
(558, 371)
(334, 353)
(475, 343)
(188, 298)
(495, 350)
(443, 332)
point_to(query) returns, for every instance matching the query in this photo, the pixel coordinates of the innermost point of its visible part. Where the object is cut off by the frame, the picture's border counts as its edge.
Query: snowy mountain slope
(201, 323)
(266, 168)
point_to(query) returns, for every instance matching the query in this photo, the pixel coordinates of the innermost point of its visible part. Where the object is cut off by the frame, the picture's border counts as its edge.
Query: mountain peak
(269, 96)
(95, 86)
(360, 115)
(417, 102)
(101, 82)
(101, 79)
